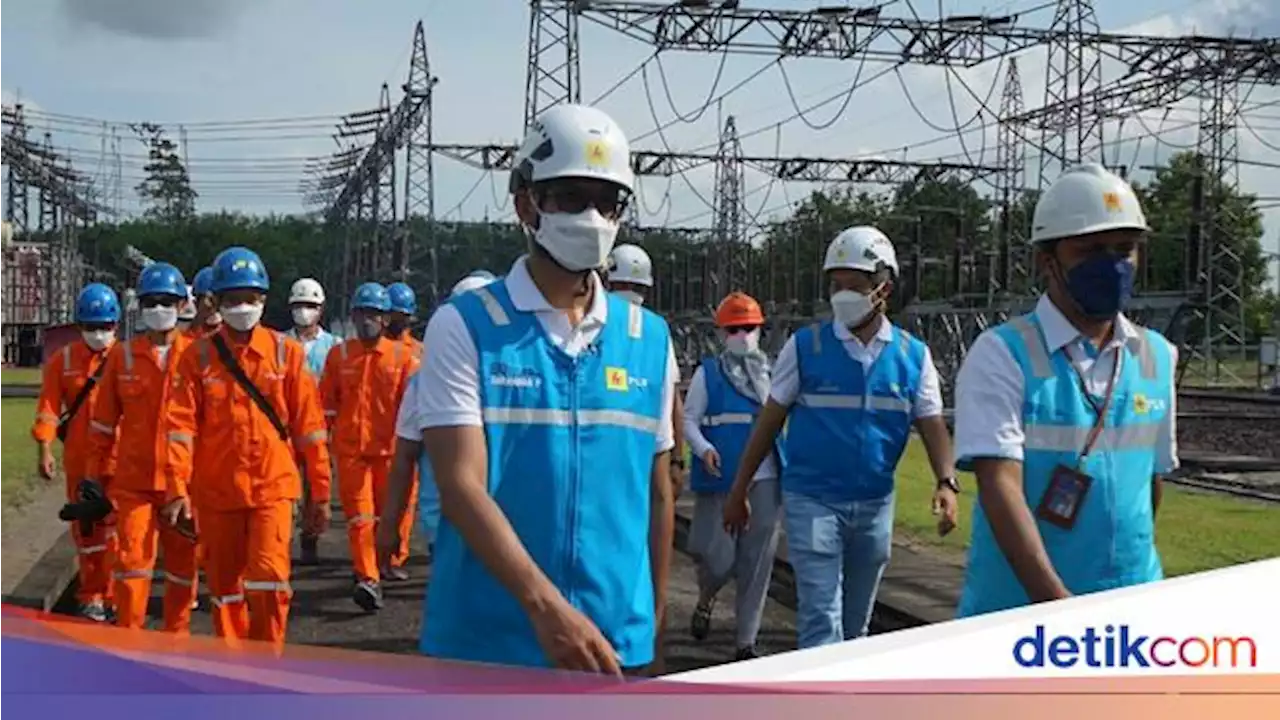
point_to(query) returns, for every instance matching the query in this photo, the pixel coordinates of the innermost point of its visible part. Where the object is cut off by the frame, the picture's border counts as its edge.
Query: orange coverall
(248, 482)
(362, 386)
(131, 404)
(64, 375)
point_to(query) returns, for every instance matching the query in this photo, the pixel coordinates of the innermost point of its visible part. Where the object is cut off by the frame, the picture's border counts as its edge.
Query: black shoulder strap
(237, 372)
(80, 397)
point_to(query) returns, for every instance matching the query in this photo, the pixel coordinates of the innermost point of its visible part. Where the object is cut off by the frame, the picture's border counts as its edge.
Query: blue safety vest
(849, 428)
(571, 444)
(727, 426)
(317, 350)
(1112, 544)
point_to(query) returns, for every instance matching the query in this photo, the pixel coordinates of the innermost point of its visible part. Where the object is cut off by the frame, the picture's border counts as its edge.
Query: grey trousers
(748, 558)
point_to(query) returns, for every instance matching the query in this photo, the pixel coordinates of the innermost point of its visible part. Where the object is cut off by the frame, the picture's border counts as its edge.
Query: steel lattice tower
(419, 160)
(1221, 273)
(553, 76)
(1011, 157)
(728, 268)
(1074, 70)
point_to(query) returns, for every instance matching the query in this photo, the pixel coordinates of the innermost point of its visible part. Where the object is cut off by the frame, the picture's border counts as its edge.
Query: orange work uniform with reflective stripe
(65, 374)
(362, 385)
(127, 420)
(248, 481)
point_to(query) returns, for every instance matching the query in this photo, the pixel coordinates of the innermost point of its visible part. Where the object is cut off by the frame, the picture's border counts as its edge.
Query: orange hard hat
(739, 309)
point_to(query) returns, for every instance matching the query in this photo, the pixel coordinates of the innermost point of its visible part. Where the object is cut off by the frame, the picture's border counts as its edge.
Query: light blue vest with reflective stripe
(848, 428)
(317, 350)
(571, 444)
(1112, 544)
(726, 425)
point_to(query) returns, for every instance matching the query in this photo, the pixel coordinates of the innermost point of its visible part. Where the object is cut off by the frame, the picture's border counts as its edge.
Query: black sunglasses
(736, 329)
(611, 202)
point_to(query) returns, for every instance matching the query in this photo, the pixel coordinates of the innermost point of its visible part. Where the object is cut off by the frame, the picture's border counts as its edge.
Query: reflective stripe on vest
(1111, 544)
(570, 460)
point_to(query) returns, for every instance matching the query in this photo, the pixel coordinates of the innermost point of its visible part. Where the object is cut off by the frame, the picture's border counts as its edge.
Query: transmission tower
(1011, 155)
(1221, 273)
(553, 76)
(729, 269)
(1073, 74)
(419, 180)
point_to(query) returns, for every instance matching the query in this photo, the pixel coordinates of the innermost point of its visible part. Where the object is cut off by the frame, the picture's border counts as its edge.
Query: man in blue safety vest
(723, 400)
(1066, 415)
(854, 387)
(306, 303)
(545, 404)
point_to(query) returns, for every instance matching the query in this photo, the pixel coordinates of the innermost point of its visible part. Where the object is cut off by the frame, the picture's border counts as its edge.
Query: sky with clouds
(197, 63)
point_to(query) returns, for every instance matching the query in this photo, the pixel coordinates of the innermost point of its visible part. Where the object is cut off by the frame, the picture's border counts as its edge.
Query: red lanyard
(1101, 410)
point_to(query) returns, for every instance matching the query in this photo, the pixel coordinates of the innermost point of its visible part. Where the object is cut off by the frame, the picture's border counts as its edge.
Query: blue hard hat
(371, 296)
(403, 299)
(97, 303)
(162, 279)
(203, 284)
(239, 268)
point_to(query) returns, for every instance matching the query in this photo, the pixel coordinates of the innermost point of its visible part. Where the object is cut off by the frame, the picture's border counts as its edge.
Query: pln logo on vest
(615, 378)
(1143, 404)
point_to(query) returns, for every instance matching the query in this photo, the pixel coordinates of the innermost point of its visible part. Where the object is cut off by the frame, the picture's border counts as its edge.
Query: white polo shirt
(447, 387)
(990, 384)
(407, 426)
(786, 371)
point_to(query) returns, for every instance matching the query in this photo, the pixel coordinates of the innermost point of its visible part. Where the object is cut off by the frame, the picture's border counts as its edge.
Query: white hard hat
(573, 141)
(471, 282)
(306, 290)
(1086, 199)
(630, 264)
(188, 309)
(861, 248)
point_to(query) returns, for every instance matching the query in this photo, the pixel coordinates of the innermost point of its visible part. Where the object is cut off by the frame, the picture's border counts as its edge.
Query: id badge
(1061, 502)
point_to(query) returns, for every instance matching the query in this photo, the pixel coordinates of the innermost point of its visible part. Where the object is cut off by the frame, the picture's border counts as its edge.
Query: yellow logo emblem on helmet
(597, 153)
(1111, 201)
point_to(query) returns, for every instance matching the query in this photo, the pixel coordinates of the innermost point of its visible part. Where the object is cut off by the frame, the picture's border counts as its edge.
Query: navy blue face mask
(1101, 286)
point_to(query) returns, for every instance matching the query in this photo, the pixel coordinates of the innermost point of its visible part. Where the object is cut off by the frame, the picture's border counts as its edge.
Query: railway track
(1222, 486)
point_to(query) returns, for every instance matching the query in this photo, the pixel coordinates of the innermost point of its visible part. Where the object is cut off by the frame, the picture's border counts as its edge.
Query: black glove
(91, 506)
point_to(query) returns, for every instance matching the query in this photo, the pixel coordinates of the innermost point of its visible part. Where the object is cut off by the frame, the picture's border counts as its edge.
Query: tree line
(948, 239)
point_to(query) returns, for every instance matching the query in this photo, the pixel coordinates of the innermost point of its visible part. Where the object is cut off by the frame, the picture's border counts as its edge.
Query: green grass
(18, 476)
(20, 376)
(1194, 531)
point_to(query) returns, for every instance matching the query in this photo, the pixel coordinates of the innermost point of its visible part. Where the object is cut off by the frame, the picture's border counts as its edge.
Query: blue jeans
(838, 553)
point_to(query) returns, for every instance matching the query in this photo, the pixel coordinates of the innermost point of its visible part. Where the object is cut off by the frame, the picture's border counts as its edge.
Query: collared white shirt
(786, 371)
(407, 425)
(447, 387)
(695, 408)
(990, 385)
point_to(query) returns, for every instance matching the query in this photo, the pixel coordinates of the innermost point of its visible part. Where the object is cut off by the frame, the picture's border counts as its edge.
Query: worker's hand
(320, 514)
(388, 539)
(47, 466)
(737, 512)
(711, 460)
(946, 506)
(572, 642)
(178, 510)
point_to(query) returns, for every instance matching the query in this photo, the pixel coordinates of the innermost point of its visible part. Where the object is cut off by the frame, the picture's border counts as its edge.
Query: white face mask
(242, 317)
(98, 340)
(214, 320)
(305, 317)
(742, 343)
(579, 242)
(160, 318)
(631, 296)
(851, 307)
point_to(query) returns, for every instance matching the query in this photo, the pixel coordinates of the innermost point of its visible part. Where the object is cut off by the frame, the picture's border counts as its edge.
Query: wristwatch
(677, 461)
(949, 482)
